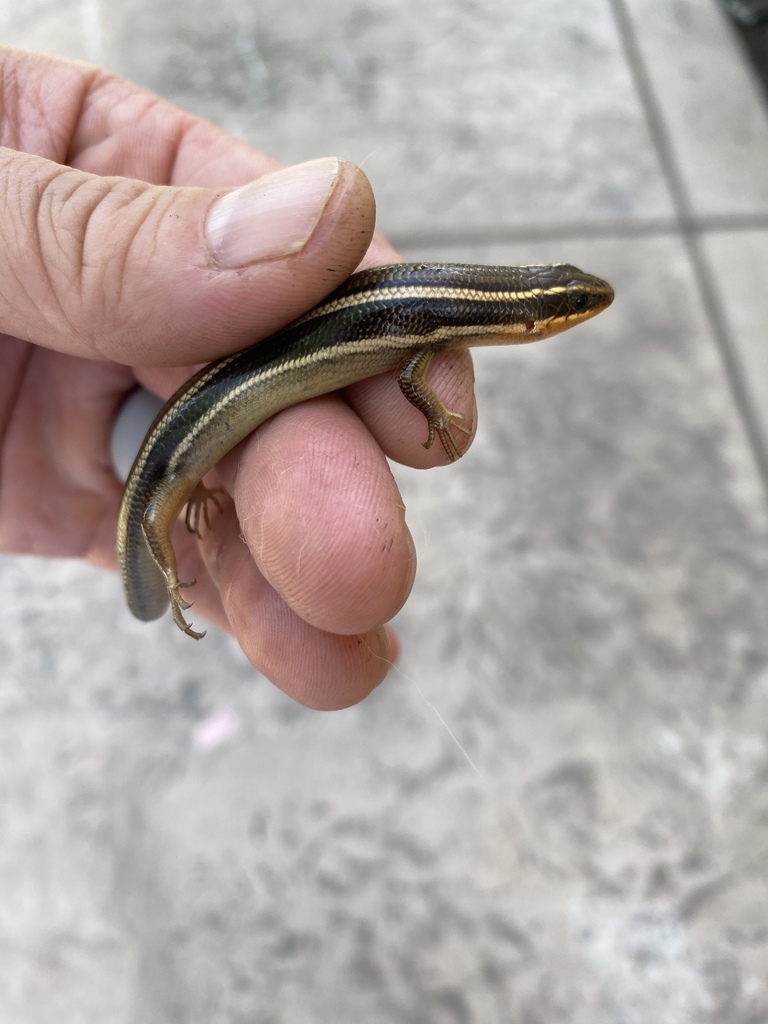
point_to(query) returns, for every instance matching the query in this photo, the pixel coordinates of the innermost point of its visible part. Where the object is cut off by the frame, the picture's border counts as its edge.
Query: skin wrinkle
(88, 88)
(13, 399)
(96, 196)
(5, 77)
(17, 282)
(166, 173)
(142, 207)
(9, 83)
(45, 206)
(118, 264)
(227, 177)
(113, 283)
(174, 154)
(58, 122)
(42, 123)
(71, 243)
(106, 116)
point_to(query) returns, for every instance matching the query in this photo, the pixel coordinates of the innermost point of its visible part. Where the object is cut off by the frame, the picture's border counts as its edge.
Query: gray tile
(738, 264)
(65, 29)
(712, 105)
(464, 116)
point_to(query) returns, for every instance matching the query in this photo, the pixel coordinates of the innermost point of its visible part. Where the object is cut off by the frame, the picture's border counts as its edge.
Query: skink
(386, 318)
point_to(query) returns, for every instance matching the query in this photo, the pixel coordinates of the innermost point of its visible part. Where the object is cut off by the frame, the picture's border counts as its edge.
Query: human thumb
(114, 268)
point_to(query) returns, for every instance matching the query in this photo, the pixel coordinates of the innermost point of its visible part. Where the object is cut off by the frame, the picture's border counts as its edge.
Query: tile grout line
(582, 231)
(690, 228)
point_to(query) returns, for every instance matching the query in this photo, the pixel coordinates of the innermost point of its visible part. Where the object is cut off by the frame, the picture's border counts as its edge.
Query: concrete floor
(556, 808)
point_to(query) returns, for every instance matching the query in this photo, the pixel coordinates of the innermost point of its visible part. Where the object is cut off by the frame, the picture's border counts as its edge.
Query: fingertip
(317, 668)
(369, 660)
(400, 428)
(323, 517)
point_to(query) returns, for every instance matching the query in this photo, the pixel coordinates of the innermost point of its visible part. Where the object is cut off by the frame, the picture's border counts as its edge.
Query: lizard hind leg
(157, 522)
(441, 420)
(179, 606)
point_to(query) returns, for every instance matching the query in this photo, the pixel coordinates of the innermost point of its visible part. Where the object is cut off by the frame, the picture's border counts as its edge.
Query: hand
(129, 254)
